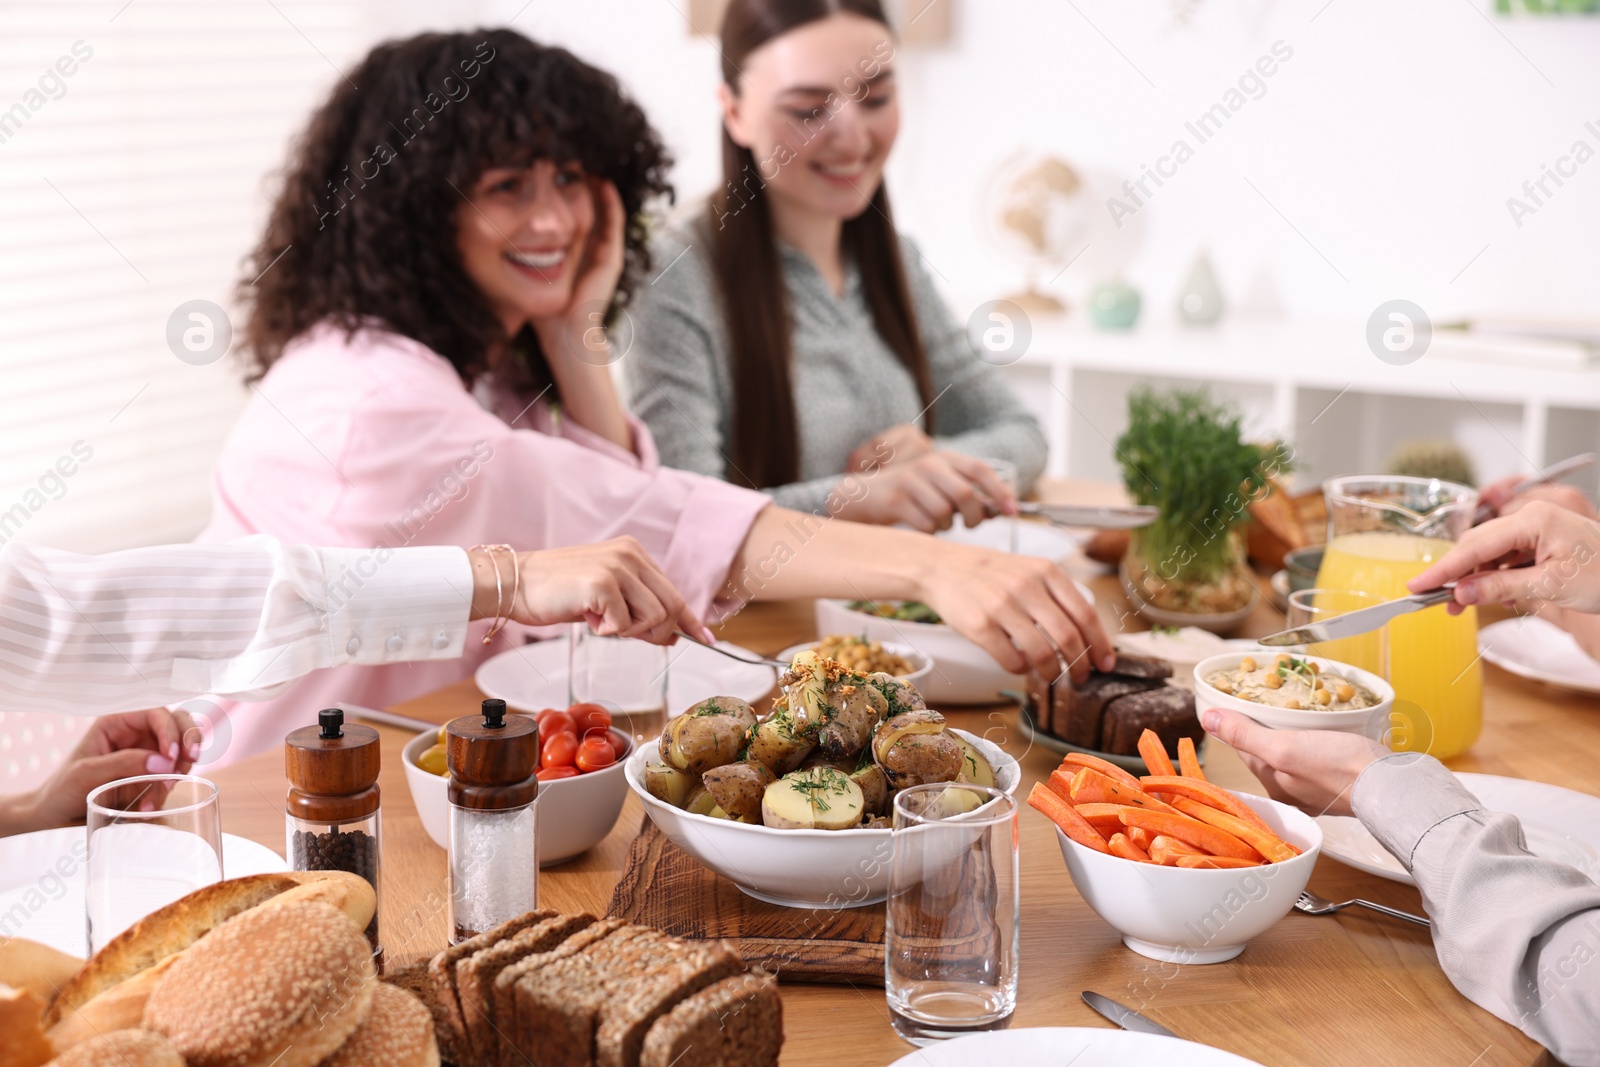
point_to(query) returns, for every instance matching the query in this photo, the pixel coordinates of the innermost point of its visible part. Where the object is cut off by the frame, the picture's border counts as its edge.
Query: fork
(775, 664)
(1312, 904)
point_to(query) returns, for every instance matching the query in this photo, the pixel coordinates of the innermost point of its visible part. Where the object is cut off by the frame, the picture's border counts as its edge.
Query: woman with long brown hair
(423, 336)
(792, 335)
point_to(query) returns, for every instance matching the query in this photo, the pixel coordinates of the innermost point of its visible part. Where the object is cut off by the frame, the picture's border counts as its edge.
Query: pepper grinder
(332, 815)
(494, 855)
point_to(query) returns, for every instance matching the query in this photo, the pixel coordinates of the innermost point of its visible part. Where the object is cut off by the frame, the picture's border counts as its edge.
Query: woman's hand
(1311, 769)
(577, 331)
(1024, 611)
(1498, 496)
(614, 586)
(897, 444)
(115, 746)
(1490, 564)
(925, 493)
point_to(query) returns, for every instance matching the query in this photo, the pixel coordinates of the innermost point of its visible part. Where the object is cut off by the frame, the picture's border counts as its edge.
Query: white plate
(1033, 538)
(1558, 824)
(535, 676)
(1054, 1046)
(1533, 648)
(42, 874)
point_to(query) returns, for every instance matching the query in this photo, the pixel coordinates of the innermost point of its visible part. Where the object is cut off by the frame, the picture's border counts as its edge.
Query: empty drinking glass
(625, 676)
(950, 942)
(1369, 651)
(152, 839)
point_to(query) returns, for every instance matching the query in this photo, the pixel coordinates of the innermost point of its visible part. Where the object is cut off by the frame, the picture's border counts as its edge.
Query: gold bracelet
(501, 615)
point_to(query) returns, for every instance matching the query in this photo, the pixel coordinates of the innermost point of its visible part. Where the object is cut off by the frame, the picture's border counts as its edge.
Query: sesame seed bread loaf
(22, 1040)
(122, 1048)
(397, 1032)
(737, 1022)
(172, 929)
(282, 986)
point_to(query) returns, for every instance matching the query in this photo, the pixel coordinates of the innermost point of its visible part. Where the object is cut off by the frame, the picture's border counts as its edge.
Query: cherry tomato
(590, 718)
(556, 722)
(560, 750)
(550, 774)
(595, 754)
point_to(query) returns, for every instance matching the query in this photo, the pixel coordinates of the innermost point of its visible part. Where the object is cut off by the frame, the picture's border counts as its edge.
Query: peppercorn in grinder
(494, 855)
(332, 814)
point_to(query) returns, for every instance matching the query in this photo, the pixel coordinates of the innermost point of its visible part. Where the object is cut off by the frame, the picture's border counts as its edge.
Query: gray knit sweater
(679, 381)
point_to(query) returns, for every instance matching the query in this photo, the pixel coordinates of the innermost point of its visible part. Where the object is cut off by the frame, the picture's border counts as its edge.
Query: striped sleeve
(91, 635)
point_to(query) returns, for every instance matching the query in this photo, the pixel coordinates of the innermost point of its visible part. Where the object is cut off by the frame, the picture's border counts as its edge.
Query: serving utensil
(775, 664)
(389, 718)
(1312, 904)
(1360, 621)
(1549, 474)
(1124, 1016)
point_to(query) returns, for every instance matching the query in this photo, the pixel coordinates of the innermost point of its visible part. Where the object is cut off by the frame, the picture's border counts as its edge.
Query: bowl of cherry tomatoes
(581, 782)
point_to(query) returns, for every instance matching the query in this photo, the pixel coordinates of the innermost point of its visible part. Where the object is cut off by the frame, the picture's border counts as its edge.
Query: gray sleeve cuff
(1402, 796)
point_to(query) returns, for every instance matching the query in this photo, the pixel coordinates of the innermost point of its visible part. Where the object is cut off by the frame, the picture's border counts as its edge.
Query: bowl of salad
(963, 673)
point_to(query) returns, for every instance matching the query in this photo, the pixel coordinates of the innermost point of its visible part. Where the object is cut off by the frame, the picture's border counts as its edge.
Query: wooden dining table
(1354, 988)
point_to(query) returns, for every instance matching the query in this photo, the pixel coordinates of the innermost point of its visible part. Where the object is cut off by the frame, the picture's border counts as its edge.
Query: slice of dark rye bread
(738, 1022)
(442, 968)
(504, 1015)
(558, 1005)
(415, 979)
(637, 1000)
(475, 976)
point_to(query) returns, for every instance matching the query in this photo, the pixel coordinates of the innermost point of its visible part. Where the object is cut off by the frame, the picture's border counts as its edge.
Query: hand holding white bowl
(1311, 769)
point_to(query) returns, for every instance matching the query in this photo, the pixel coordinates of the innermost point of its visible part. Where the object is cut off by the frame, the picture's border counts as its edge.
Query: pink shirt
(375, 443)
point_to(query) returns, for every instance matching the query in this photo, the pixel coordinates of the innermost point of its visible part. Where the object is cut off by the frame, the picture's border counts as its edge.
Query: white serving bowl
(824, 869)
(921, 665)
(1187, 915)
(1370, 722)
(963, 673)
(575, 814)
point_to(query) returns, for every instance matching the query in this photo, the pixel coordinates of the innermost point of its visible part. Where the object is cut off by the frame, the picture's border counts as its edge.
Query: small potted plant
(1184, 453)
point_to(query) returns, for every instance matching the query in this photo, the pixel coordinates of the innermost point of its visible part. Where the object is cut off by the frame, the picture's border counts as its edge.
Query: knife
(1103, 517)
(1549, 474)
(1123, 1015)
(1360, 621)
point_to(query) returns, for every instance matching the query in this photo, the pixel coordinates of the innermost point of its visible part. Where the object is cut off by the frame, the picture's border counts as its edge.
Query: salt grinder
(494, 855)
(332, 813)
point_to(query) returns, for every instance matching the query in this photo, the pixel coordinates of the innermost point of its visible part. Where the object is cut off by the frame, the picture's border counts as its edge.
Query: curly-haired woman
(796, 336)
(428, 368)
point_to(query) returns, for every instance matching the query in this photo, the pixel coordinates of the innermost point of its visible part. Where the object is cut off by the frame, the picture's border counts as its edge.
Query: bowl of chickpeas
(864, 655)
(1294, 691)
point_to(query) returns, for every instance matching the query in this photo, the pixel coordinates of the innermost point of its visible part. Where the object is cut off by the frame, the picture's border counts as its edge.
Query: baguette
(172, 929)
(27, 964)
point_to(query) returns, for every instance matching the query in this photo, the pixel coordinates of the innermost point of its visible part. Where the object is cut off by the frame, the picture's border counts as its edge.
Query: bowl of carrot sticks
(1184, 870)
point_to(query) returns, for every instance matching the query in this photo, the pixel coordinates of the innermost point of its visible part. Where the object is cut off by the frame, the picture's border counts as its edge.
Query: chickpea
(1324, 697)
(1345, 692)
(1316, 668)
(1273, 681)
(1293, 705)
(1318, 684)
(1281, 660)
(1247, 664)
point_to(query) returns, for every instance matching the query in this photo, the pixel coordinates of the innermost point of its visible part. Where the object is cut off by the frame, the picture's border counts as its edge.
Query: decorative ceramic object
(1200, 302)
(1114, 305)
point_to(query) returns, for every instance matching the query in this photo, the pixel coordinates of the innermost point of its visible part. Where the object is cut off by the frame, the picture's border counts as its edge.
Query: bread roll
(180, 924)
(119, 1008)
(122, 1048)
(282, 986)
(397, 1032)
(22, 1040)
(27, 964)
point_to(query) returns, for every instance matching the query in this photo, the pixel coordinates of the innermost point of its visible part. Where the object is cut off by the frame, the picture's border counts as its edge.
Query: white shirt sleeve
(89, 635)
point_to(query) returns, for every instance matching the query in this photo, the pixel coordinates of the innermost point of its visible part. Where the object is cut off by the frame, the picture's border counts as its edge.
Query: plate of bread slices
(1108, 713)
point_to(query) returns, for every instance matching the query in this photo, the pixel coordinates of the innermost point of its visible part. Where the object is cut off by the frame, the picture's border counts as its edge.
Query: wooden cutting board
(664, 887)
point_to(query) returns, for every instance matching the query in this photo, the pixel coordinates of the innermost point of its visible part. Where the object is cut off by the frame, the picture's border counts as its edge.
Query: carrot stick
(1060, 783)
(1270, 845)
(1091, 787)
(1121, 846)
(1075, 760)
(1205, 793)
(1219, 863)
(1188, 760)
(1191, 831)
(1065, 816)
(1167, 850)
(1140, 836)
(1107, 818)
(1155, 754)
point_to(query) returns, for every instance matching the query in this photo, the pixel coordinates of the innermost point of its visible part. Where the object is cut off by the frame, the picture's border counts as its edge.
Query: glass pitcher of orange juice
(1382, 532)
